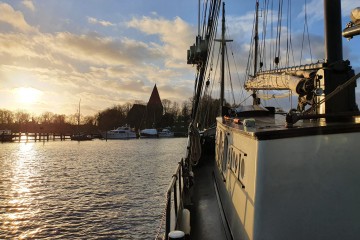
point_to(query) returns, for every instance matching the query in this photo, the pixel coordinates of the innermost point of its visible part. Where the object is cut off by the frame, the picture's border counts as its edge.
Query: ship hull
(289, 186)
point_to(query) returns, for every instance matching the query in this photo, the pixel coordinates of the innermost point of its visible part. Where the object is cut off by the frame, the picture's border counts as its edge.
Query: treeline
(175, 115)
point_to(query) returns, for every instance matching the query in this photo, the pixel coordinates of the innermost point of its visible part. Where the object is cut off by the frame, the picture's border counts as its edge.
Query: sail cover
(273, 82)
(355, 15)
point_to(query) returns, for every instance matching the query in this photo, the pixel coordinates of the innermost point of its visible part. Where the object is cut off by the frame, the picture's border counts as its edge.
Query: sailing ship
(275, 176)
(79, 136)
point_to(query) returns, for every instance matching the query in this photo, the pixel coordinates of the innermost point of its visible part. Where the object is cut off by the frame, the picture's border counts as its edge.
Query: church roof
(155, 97)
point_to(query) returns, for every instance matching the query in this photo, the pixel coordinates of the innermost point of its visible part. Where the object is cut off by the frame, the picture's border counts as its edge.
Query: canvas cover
(355, 15)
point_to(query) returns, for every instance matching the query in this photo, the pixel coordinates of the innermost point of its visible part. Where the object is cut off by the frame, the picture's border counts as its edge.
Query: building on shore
(149, 115)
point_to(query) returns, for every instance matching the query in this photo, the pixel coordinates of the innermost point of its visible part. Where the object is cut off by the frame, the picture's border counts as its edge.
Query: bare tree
(6, 116)
(21, 116)
(166, 105)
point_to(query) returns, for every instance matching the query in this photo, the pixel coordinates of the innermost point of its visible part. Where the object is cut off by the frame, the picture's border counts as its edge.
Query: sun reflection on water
(20, 208)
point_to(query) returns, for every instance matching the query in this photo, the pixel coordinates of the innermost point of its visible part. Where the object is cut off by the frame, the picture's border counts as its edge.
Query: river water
(85, 190)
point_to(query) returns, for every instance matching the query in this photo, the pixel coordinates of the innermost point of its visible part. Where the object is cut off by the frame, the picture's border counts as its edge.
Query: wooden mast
(223, 42)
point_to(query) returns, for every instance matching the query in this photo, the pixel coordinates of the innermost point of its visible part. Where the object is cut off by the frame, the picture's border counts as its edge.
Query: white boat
(149, 133)
(124, 132)
(164, 133)
(276, 176)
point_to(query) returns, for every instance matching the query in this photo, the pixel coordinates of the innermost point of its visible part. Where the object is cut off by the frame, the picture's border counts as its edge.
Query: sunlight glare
(27, 95)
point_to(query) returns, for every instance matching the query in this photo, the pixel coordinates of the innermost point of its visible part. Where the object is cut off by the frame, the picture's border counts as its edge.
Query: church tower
(154, 109)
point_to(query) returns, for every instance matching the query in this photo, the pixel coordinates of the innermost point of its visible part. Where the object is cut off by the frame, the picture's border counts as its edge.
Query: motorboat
(149, 133)
(123, 132)
(164, 133)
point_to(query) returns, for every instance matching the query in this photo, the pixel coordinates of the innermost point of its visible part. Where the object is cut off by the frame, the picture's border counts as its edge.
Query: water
(85, 190)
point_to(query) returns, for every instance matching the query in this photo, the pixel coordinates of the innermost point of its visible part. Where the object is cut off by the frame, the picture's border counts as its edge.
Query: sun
(27, 95)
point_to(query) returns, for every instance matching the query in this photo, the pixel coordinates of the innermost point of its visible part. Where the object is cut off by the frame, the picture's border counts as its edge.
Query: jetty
(28, 137)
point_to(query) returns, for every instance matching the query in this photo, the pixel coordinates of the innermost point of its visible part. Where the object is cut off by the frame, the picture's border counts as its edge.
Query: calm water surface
(85, 190)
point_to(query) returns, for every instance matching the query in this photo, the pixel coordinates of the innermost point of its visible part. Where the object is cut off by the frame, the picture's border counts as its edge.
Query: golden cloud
(14, 18)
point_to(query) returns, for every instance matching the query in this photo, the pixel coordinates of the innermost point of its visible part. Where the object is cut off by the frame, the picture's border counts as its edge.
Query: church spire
(155, 97)
(154, 109)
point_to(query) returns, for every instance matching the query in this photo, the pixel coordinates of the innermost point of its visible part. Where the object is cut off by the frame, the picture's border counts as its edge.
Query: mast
(333, 31)
(198, 53)
(79, 113)
(256, 100)
(223, 46)
(222, 59)
(338, 71)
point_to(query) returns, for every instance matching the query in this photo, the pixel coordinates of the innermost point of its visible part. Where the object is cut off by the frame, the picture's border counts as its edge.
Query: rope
(238, 76)
(278, 34)
(231, 85)
(333, 93)
(306, 28)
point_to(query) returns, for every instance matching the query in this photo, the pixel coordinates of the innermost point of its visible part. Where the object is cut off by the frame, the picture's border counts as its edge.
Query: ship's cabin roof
(264, 123)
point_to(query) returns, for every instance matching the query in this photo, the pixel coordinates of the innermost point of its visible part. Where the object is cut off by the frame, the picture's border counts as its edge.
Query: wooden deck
(206, 217)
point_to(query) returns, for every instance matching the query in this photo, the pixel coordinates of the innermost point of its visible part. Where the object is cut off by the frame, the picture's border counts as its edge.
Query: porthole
(242, 168)
(236, 163)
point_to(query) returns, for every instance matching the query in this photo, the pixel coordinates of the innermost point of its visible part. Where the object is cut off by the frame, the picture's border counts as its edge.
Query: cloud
(14, 18)
(175, 35)
(315, 9)
(64, 64)
(100, 22)
(29, 4)
(112, 70)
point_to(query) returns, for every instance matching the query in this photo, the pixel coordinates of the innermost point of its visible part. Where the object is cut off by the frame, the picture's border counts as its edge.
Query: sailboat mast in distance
(79, 113)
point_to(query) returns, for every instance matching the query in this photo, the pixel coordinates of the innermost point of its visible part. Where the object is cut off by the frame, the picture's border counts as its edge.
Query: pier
(27, 137)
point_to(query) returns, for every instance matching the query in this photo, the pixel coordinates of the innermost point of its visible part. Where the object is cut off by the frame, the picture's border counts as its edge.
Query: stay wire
(230, 80)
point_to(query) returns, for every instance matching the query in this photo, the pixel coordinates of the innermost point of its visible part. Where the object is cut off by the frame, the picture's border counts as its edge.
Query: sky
(108, 52)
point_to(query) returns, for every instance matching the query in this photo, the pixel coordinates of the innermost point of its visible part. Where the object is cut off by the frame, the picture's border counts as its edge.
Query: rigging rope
(278, 35)
(231, 85)
(333, 93)
(241, 84)
(306, 28)
(209, 32)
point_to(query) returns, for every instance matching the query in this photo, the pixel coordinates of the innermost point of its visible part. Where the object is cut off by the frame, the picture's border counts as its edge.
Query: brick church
(149, 116)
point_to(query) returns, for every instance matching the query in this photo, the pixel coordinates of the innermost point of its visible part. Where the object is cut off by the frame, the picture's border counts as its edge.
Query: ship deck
(206, 216)
(267, 128)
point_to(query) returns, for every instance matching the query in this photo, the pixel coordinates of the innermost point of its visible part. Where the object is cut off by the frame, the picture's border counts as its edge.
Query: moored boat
(81, 137)
(6, 136)
(149, 133)
(123, 132)
(165, 133)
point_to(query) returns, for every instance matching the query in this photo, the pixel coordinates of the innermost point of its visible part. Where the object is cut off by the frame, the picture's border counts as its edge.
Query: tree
(46, 117)
(22, 117)
(111, 118)
(6, 116)
(174, 110)
(166, 105)
(58, 119)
